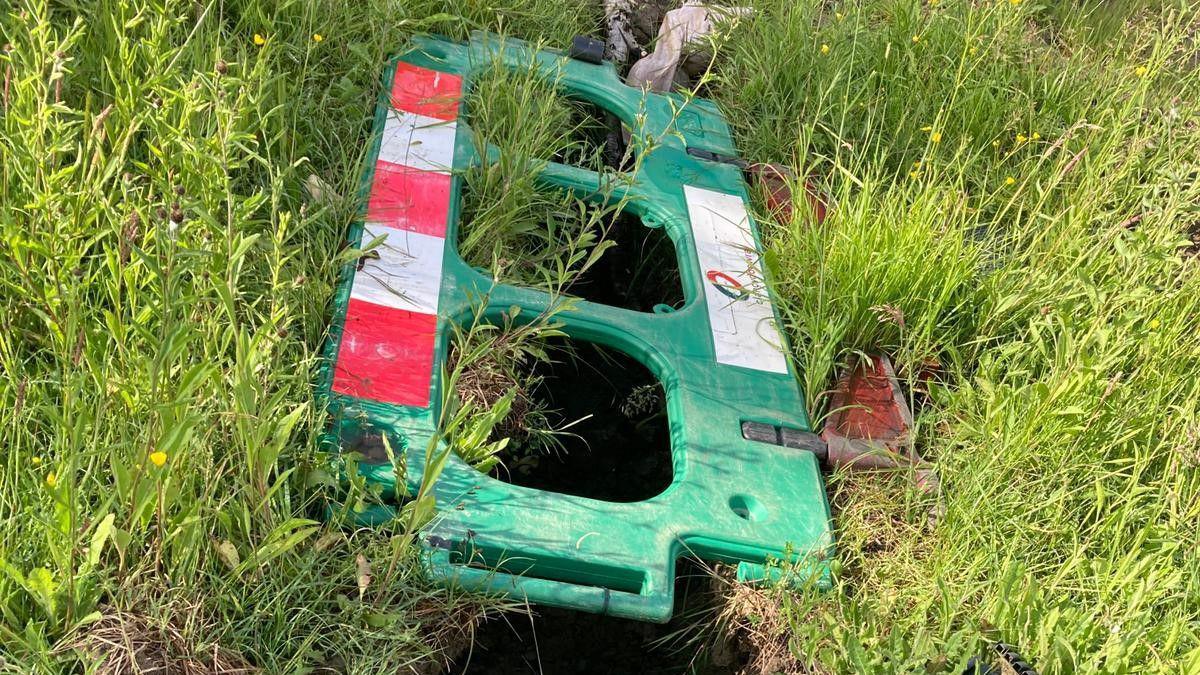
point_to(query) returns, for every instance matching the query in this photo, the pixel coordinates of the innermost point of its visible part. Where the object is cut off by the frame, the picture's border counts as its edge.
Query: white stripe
(408, 273)
(744, 331)
(417, 141)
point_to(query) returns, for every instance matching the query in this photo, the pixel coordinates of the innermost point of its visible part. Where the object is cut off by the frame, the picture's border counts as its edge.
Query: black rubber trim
(710, 156)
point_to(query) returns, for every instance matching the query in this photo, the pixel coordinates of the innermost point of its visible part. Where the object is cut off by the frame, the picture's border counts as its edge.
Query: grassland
(1017, 190)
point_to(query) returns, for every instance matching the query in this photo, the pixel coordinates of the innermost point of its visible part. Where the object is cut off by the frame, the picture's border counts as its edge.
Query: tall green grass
(1013, 190)
(165, 282)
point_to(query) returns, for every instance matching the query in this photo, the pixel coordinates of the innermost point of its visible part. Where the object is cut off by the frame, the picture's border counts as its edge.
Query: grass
(1013, 199)
(1015, 189)
(514, 225)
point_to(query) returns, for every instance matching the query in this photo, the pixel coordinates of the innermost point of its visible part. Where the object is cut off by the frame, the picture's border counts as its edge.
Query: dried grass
(126, 643)
(753, 636)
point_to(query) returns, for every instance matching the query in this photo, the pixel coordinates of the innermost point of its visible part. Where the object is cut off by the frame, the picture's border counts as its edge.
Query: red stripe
(408, 199)
(385, 355)
(426, 92)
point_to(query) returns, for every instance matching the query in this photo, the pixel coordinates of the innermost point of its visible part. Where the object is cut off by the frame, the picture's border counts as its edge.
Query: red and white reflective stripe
(385, 354)
(408, 199)
(389, 333)
(426, 92)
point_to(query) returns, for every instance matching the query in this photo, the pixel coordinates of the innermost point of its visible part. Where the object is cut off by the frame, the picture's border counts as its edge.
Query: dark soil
(617, 445)
(554, 641)
(641, 271)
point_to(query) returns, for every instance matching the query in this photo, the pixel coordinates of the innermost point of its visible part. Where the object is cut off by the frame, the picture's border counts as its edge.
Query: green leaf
(99, 538)
(418, 512)
(41, 585)
(121, 476)
(380, 620)
(121, 539)
(771, 263)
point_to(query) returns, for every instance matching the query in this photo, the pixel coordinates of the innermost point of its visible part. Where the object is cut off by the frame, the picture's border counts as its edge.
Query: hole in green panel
(561, 415)
(555, 241)
(747, 508)
(613, 442)
(523, 112)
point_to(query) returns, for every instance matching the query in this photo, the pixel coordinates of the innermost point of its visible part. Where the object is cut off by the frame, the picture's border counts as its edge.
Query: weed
(1008, 206)
(513, 224)
(1014, 190)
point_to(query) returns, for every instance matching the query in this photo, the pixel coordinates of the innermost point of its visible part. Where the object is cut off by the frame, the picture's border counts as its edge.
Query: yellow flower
(912, 174)
(926, 128)
(158, 458)
(317, 37)
(839, 15)
(995, 144)
(37, 460)
(259, 40)
(1014, 2)
(51, 479)
(917, 164)
(936, 137)
(916, 39)
(1141, 71)
(1036, 135)
(934, 3)
(1021, 138)
(1010, 180)
(824, 49)
(1154, 324)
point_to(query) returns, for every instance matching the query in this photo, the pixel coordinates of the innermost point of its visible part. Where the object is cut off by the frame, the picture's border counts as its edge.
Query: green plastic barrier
(720, 357)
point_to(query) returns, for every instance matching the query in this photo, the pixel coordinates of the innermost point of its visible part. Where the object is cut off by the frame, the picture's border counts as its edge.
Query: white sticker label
(739, 308)
(406, 275)
(417, 141)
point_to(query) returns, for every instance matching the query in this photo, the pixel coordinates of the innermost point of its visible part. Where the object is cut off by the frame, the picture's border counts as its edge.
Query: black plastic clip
(786, 437)
(586, 49)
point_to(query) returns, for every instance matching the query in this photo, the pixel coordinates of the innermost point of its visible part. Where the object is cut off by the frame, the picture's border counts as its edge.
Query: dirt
(639, 272)
(616, 445)
(553, 641)
(560, 641)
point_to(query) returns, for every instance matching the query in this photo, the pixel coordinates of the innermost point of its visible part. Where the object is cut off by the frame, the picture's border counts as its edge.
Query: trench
(613, 441)
(550, 640)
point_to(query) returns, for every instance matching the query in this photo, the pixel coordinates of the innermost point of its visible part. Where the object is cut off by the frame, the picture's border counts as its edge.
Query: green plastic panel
(731, 499)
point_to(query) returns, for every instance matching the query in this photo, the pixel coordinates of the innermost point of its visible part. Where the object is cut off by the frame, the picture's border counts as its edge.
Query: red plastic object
(374, 339)
(776, 182)
(870, 425)
(426, 92)
(409, 199)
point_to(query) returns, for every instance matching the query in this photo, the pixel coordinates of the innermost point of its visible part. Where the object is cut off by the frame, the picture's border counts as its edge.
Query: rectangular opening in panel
(523, 112)
(553, 240)
(563, 416)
